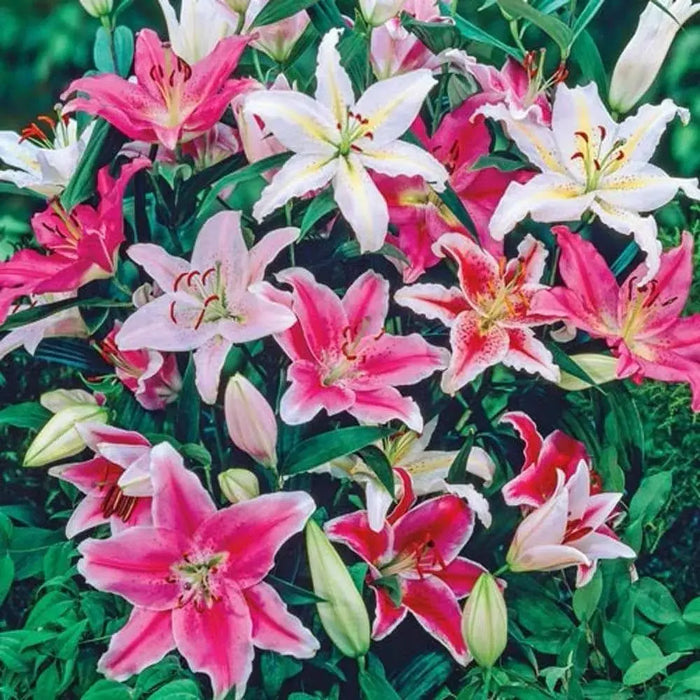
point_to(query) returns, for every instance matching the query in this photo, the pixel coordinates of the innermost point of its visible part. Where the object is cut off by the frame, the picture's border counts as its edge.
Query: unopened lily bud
(250, 420)
(376, 12)
(239, 485)
(59, 438)
(600, 368)
(342, 612)
(485, 621)
(642, 58)
(98, 8)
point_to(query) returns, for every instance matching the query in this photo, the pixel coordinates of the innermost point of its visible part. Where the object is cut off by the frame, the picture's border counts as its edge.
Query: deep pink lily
(543, 459)
(417, 552)
(82, 245)
(195, 578)
(116, 481)
(212, 302)
(342, 359)
(489, 314)
(170, 101)
(419, 214)
(642, 325)
(152, 377)
(570, 529)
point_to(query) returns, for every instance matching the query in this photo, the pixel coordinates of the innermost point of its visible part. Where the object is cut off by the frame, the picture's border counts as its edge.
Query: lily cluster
(341, 270)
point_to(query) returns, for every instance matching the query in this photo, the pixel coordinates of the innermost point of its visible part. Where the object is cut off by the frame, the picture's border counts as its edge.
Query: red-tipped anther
(207, 273)
(583, 135)
(603, 131)
(179, 279)
(172, 312)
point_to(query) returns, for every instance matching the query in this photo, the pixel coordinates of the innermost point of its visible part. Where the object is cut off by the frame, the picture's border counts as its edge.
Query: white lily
(591, 163)
(427, 469)
(644, 55)
(376, 12)
(202, 25)
(42, 161)
(335, 139)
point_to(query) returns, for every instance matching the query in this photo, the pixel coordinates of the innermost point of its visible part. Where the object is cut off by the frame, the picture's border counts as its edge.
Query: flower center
(169, 80)
(596, 163)
(197, 576)
(351, 357)
(422, 556)
(504, 299)
(642, 300)
(46, 134)
(537, 80)
(117, 503)
(354, 128)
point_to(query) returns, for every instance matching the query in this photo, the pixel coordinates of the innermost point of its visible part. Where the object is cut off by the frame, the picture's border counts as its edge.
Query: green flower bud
(342, 612)
(600, 368)
(98, 8)
(239, 485)
(485, 621)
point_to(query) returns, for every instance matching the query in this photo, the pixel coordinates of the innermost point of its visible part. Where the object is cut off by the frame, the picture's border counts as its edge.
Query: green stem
(502, 570)
(487, 682)
(513, 24)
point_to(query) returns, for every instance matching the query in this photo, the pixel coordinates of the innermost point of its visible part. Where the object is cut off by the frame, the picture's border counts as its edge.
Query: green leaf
(275, 670)
(320, 205)
(587, 57)
(455, 205)
(679, 636)
(72, 352)
(280, 9)
(691, 614)
(458, 469)
(188, 413)
(655, 602)
(505, 164)
(123, 39)
(420, 678)
(570, 367)
(645, 669)
(103, 146)
(183, 689)
(47, 684)
(7, 575)
(320, 449)
(586, 599)
(643, 647)
(584, 19)
(373, 682)
(107, 690)
(472, 32)
(553, 27)
(29, 415)
(392, 586)
(376, 460)
(436, 36)
(292, 594)
(325, 15)
(102, 51)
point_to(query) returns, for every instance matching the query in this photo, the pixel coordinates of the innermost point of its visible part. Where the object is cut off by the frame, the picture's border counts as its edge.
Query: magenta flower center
(642, 301)
(422, 557)
(198, 576)
(169, 81)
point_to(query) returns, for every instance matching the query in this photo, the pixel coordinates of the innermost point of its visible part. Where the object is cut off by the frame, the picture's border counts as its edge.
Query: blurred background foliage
(45, 43)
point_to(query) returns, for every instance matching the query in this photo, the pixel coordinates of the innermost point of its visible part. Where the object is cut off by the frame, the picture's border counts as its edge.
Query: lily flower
(544, 460)
(201, 26)
(45, 155)
(644, 55)
(343, 360)
(376, 12)
(152, 377)
(489, 314)
(591, 163)
(277, 39)
(82, 245)
(642, 325)
(210, 303)
(116, 481)
(414, 566)
(570, 529)
(171, 100)
(64, 324)
(336, 138)
(427, 471)
(416, 210)
(195, 578)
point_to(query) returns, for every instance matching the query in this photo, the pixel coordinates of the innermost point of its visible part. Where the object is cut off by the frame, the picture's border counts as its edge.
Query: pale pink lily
(43, 157)
(170, 101)
(570, 529)
(416, 210)
(643, 325)
(116, 481)
(591, 163)
(64, 324)
(82, 245)
(278, 39)
(543, 460)
(376, 12)
(336, 139)
(489, 314)
(195, 578)
(425, 469)
(416, 552)
(152, 377)
(212, 302)
(342, 359)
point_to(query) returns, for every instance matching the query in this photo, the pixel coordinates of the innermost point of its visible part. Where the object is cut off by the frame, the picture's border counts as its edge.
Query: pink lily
(489, 315)
(416, 210)
(116, 481)
(212, 302)
(342, 360)
(153, 377)
(195, 578)
(642, 325)
(170, 101)
(544, 460)
(82, 245)
(570, 529)
(417, 551)
(277, 40)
